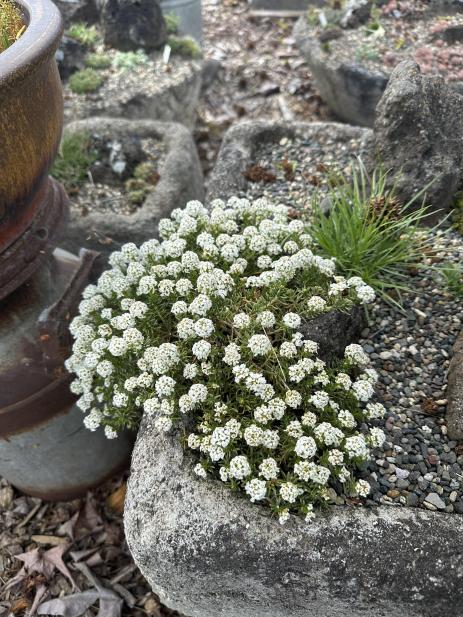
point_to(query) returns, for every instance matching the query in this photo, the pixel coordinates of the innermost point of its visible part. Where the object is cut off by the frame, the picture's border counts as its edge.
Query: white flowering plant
(208, 322)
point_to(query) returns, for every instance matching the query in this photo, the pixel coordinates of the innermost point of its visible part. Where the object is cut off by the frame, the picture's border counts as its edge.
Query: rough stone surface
(133, 24)
(335, 330)
(181, 180)
(454, 414)
(350, 90)
(208, 552)
(243, 140)
(419, 136)
(78, 10)
(142, 94)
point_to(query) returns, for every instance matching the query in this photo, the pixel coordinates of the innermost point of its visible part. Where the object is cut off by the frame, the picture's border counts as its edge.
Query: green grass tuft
(127, 60)
(86, 80)
(184, 46)
(98, 61)
(87, 35)
(74, 160)
(11, 24)
(172, 23)
(370, 233)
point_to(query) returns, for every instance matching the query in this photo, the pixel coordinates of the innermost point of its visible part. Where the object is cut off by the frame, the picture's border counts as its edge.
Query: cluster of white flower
(208, 321)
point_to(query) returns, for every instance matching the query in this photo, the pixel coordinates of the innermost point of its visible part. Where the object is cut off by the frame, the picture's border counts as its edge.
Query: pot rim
(39, 41)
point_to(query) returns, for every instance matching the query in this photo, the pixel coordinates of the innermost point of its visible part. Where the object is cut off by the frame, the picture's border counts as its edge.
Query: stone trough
(210, 553)
(243, 142)
(350, 85)
(180, 181)
(141, 93)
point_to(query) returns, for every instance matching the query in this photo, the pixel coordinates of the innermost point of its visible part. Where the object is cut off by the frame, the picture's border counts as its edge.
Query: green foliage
(74, 160)
(184, 46)
(87, 35)
(127, 60)
(147, 172)
(453, 277)
(370, 233)
(86, 80)
(11, 24)
(98, 61)
(172, 23)
(457, 214)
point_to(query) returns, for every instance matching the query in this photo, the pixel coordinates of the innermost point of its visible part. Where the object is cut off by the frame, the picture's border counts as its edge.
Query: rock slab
(129, 25)
(208, 552)
(419, 136)
(454, 414)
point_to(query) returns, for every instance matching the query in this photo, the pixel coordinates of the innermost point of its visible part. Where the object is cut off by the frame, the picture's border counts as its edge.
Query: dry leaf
(115, 501)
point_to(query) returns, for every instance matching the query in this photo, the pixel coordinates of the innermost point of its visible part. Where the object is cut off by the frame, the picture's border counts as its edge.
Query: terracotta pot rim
(39, 41)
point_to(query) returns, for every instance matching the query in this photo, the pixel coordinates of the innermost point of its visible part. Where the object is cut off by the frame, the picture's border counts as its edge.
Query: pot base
(22, 258)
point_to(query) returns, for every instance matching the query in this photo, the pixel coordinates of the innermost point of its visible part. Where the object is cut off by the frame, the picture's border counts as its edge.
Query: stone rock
(351, 90)
(419, 136)
(70, 56)
(181, 180)
(208, 552)
(133, 24)
(334, 331)
(78, 11)
(435, 500)
(242, 140)
(454, 415)
(356, 12)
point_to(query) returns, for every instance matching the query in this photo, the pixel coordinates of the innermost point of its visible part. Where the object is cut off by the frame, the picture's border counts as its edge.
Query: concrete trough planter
(242, 143)
(350, 90)
(45, 450)
(180, 181)
(210, 553)
(139, 94)
(32, 205)
(352, 86)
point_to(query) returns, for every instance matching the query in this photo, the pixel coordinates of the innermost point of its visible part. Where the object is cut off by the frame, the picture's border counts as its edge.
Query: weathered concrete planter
(148, 98)
(351, 89)
(44, 448)
(181, 180)
(31, 204)
(210, 553)
(454, 414)
(243, 140)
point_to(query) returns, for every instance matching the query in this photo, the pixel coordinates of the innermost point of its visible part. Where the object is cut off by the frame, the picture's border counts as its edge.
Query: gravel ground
(300, 167)
(418, 465)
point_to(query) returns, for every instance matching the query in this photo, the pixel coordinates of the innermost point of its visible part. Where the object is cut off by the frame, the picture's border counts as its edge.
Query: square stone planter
(210, 553)
(141, 93)
(244, 142)
(180, 181)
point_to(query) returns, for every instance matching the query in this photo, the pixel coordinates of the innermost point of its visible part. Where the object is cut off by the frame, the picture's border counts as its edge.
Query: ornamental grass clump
(370, 233)
(207, 325)
(11, 24)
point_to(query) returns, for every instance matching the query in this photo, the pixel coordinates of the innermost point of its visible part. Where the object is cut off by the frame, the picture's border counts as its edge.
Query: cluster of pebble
(418, 464)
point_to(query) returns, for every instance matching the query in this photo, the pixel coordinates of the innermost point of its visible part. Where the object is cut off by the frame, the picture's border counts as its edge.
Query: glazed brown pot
(32, 205)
